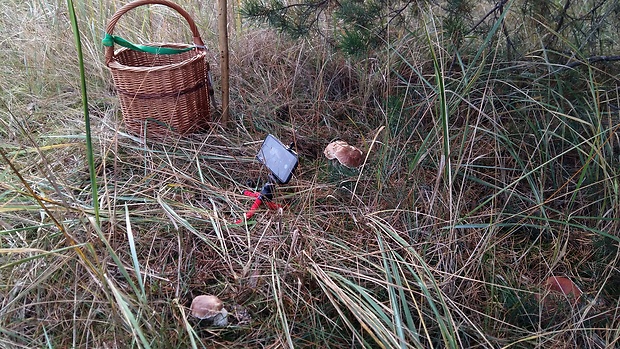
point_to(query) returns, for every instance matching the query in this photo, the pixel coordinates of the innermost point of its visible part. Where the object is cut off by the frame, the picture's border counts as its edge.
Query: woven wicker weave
(160, 93)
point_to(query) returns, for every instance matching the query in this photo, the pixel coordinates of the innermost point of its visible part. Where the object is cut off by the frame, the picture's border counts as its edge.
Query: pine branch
(590, 60)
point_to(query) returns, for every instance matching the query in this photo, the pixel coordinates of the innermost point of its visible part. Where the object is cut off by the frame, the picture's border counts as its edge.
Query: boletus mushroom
(564, 286)
(346, 154)
(210, 308)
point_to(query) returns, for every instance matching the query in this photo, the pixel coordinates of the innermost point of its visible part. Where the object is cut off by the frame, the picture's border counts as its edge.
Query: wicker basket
(160, 93)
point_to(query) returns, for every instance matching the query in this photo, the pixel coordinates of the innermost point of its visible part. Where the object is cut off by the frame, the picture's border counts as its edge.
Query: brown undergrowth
(414, 249)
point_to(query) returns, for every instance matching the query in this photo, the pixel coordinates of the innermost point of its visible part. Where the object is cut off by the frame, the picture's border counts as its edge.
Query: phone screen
(279, 159)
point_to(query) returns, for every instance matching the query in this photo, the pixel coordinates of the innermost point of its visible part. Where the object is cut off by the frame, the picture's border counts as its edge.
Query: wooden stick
(223, 43)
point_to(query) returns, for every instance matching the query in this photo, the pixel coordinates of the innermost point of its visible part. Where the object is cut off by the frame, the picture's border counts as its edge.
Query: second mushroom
(346, 154)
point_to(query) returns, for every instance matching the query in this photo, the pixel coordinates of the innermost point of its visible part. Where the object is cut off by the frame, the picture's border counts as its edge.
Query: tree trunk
(223, 43)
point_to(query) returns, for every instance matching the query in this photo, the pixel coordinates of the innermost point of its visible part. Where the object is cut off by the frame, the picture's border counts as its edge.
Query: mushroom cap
(206, 306)
(346, 154)
(563, 285)
(332, 148)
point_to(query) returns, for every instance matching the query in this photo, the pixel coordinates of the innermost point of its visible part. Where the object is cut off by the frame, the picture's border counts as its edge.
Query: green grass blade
(392, 275)
(128, 315)
(134, 255)
(117, 261)
(89, 143)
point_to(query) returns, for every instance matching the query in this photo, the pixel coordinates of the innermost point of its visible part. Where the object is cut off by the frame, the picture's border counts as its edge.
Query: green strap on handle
(110, 40)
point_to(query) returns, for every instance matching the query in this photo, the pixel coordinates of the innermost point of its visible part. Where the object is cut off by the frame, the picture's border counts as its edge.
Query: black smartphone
(278, 158)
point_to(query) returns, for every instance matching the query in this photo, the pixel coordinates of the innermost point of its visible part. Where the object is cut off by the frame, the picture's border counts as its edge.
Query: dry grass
(404, 252)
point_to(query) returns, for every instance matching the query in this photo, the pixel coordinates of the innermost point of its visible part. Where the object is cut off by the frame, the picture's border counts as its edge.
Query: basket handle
(109, 50)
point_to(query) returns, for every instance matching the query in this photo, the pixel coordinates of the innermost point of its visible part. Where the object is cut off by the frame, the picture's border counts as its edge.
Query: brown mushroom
(346, 154)
(208, 307)
(559, 298)
(563, 285)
